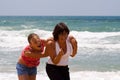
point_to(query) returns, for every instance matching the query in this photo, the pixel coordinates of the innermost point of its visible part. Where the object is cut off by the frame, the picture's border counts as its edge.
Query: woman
(59, 49)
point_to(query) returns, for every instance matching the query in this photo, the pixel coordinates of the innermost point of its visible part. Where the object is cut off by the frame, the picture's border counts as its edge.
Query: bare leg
(23, 77)
(32, 77)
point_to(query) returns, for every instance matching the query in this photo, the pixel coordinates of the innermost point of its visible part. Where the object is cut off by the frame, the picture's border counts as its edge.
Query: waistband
(53, 65)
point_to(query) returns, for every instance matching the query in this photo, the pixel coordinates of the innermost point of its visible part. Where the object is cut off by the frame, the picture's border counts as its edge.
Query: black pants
(57, 72)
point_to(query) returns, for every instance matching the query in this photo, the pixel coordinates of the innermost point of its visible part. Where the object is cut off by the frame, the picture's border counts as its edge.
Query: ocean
(98, 37)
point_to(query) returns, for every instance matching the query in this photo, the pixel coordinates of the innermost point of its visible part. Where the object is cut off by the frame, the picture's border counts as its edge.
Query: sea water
(98, 37)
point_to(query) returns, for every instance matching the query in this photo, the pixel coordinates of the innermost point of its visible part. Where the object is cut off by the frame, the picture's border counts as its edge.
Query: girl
(30, 58)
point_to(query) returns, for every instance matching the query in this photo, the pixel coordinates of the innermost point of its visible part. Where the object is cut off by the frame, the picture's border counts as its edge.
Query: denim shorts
(22, 69)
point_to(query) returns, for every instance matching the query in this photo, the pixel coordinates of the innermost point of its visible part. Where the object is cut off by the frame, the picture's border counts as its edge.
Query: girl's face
(35, 43)
(62, 37)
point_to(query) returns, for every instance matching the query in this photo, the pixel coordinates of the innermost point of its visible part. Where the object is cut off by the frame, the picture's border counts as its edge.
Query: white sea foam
(14, 39)
(86, 75)
(82, 75)
(108, 40)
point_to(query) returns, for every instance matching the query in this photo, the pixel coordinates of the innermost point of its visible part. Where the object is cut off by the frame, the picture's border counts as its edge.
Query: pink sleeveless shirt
(31, 62)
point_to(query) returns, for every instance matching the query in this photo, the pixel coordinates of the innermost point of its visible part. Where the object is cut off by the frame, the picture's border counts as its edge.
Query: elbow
(73, 54)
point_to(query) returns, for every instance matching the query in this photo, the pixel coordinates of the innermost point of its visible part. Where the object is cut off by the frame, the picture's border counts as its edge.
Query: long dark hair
(60, 28)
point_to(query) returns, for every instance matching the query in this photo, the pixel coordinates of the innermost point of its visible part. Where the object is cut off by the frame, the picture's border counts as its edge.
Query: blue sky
(60, 7)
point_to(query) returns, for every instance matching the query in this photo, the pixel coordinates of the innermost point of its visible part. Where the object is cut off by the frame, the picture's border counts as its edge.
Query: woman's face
(62, 37)
(35, 43)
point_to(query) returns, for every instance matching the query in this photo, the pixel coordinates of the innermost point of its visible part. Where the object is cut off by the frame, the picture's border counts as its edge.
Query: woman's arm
(74, 45)
(50, 49)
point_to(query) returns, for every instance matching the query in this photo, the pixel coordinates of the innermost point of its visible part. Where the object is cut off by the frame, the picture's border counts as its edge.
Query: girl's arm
(38, 54)
(44, 54)
(32, 55)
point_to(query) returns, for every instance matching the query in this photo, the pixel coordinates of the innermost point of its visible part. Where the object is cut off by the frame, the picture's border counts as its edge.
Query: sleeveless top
(64, 59)
(31, 62)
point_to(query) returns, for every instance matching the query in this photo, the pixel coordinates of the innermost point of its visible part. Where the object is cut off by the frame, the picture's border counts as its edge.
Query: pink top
(31, 62)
